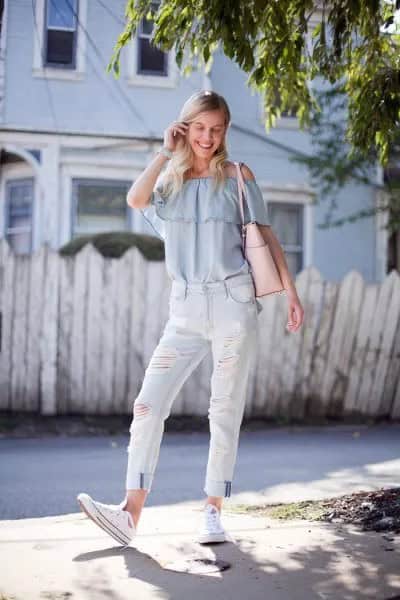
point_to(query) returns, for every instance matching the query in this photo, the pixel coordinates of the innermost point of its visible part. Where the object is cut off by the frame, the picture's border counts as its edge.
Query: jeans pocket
(243, 294)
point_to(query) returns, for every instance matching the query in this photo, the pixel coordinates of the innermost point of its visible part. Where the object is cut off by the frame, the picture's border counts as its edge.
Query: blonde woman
(194, 207)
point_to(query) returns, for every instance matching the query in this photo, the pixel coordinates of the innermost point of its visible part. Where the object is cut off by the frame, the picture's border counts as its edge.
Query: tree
(330, 167)
(284, 45)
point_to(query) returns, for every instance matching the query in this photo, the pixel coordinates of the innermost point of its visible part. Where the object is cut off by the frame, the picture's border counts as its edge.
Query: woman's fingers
(295, 317)
(171, 134)
(180, 127)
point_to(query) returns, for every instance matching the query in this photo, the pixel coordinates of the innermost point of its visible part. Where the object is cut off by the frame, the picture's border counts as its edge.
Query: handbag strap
(241, 194)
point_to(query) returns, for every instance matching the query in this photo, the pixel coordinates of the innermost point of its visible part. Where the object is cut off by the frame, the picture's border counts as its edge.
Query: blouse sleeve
(151, 217)
(255, 207)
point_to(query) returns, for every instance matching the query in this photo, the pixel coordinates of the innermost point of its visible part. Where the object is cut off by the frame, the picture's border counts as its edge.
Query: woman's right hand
(179, 128)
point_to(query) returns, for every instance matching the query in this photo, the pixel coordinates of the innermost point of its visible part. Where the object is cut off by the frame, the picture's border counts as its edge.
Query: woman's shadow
(254, 570)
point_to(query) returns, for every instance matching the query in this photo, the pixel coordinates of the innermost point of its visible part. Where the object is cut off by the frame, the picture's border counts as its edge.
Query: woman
(194, 207)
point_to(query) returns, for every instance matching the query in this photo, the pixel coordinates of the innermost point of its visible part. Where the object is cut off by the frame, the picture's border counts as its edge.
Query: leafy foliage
(331, 167)
(283, 46)
(114, 244)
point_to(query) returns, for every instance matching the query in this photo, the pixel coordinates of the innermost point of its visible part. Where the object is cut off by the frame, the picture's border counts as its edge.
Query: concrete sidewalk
(68, 557)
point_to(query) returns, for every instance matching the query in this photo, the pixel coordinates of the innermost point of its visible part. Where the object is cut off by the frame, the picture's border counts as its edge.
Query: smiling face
(206, 133)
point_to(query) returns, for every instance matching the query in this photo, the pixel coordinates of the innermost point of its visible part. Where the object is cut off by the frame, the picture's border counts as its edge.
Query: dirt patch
(378, 510)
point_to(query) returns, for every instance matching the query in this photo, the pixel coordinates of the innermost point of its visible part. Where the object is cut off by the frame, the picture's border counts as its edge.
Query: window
(99, 206)
(61, 33)
(287, 223)
(150, 60)
(19, 202)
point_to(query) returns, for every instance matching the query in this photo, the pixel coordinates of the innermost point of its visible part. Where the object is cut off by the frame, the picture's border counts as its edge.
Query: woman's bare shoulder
(230, 170)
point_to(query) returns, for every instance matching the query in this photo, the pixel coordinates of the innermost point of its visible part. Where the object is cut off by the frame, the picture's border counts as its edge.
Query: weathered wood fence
(78, 332)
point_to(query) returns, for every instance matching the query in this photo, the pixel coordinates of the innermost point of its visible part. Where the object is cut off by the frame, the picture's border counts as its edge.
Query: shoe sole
(101, 520)
(217, 537)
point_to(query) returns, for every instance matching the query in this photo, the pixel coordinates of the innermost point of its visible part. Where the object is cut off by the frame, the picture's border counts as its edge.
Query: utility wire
(111, 13)
(131, 107)
(41, 50)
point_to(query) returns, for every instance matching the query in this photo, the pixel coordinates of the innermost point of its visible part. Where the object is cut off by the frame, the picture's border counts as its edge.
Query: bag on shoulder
(263, 268)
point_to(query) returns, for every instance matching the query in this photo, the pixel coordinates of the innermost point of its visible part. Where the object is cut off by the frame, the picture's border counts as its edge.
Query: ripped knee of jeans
(163, 359)
(140, 410)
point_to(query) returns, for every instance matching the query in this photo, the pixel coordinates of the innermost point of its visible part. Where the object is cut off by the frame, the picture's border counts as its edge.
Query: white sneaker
(212, 530)
(113, 519)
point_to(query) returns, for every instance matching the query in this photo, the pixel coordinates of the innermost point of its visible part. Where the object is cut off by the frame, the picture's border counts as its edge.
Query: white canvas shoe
(211, 530)
(113, 519)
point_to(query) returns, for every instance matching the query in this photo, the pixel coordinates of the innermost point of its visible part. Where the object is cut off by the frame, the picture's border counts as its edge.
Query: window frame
(293, 248)
(135, 78)
(145, 36)
(56, 72)
(299, 195)
(54, 65)
(9, 183)
(76, 181)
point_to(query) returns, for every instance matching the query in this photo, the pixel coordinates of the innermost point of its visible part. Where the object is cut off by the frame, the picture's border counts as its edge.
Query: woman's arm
(295, 309)
(141, 189)
(280, 259)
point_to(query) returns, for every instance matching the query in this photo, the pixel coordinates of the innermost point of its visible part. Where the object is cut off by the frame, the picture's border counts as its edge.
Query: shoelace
(212, 518)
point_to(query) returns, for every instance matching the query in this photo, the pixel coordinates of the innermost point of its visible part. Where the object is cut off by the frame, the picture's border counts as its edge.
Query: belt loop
(185, 292)
(226, 288)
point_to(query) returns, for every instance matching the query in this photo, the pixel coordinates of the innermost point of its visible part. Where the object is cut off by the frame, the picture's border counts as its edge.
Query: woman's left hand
(295, 313)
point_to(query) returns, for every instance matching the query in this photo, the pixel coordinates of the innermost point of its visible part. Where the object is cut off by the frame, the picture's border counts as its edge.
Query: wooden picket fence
(78, 332)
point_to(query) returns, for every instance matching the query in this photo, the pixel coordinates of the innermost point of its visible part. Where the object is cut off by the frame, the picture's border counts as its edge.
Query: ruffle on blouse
(199, 202)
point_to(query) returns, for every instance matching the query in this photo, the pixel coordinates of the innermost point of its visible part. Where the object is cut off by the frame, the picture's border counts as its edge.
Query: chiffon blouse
(201, 227)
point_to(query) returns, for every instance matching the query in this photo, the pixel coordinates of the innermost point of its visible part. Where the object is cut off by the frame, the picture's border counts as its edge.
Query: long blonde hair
(171, 180)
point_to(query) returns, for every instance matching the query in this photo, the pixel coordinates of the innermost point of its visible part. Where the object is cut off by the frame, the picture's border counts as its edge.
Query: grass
(310, 510)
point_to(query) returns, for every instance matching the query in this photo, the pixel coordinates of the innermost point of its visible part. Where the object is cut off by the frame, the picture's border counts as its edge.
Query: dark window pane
(100, 207)
(60, 47)
(60, 14)
(151, 59)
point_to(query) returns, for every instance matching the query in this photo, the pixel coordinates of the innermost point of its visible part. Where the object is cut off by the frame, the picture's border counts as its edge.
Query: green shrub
(113, 244)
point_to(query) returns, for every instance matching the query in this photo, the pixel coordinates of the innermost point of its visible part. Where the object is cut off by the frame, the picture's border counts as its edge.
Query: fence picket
(77, 334)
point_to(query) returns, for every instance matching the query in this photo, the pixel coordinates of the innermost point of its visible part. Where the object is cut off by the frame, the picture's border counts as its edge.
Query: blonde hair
(171, 180)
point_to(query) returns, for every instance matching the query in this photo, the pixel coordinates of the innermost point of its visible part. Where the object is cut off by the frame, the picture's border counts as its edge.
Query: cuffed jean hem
(218, 488)
(139, 481)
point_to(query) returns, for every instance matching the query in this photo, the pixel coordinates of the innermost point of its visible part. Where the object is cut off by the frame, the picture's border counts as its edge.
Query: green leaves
(283, 46)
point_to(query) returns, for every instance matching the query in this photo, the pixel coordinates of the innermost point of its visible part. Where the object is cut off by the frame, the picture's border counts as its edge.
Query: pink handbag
(262, 264)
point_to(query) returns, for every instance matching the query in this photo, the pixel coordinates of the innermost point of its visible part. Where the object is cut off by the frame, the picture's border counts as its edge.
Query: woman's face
(206, 132)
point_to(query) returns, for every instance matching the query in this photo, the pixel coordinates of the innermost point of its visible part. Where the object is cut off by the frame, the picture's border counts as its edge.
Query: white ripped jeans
(219, 316)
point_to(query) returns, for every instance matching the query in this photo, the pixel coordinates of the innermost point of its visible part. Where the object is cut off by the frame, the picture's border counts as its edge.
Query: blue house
(73, 138)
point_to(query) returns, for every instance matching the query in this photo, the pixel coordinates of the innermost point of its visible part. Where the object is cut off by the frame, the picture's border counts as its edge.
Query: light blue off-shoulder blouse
(201, 228)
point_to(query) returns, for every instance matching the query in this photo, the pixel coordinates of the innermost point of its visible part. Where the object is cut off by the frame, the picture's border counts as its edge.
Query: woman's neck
(199, 169)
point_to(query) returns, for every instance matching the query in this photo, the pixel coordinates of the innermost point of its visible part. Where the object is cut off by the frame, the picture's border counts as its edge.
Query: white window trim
(52, 72)
(157, 81)
(301, 195)
(15, 172)
(72, 168)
